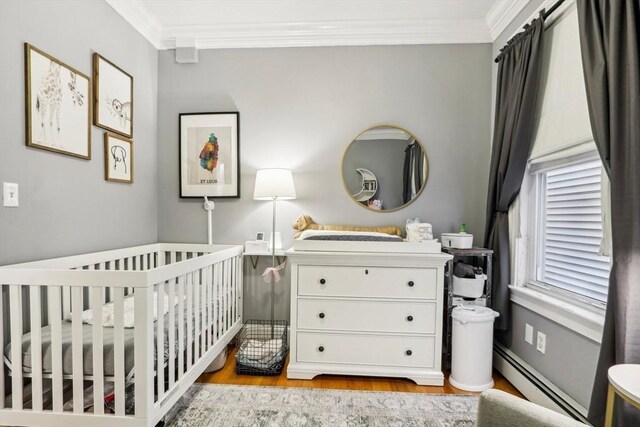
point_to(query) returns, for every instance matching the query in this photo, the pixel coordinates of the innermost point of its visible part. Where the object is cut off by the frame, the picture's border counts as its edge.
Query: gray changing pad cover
(356, 238)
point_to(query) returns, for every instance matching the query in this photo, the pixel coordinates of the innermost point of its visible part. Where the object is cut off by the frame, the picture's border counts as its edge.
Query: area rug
(231, 406)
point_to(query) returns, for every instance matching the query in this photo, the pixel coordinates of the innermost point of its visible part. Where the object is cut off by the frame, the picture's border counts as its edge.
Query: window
(568, 229)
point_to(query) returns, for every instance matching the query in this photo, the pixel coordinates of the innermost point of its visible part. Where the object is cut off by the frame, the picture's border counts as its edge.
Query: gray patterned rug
(231, 406)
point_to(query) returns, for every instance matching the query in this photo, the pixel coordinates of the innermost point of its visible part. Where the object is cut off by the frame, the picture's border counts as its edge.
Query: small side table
(624, 380)
(254, 261)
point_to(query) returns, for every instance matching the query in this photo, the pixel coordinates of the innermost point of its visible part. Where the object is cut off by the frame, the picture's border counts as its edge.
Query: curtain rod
(545, 15)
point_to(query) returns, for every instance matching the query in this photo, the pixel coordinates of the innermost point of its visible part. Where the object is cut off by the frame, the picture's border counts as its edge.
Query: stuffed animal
(304, 222)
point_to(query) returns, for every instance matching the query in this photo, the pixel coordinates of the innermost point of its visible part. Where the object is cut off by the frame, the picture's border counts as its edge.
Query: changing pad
(352, 236)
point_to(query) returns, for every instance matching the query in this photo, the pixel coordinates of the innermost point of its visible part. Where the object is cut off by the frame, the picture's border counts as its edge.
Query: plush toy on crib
(304, 222)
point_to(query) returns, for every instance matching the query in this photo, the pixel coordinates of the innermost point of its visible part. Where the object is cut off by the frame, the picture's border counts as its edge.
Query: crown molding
(345, 33)
(137, 15)
(502, 13)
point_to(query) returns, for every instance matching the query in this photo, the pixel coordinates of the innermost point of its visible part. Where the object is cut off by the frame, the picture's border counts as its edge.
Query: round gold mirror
(385, 168)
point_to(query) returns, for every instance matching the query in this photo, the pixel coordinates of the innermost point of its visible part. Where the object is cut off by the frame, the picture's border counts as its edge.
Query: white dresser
(375, 314)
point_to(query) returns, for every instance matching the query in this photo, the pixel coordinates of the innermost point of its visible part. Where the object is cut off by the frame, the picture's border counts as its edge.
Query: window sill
(585, 322)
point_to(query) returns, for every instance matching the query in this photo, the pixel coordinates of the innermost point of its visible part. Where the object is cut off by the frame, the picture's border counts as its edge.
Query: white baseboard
(534, 386)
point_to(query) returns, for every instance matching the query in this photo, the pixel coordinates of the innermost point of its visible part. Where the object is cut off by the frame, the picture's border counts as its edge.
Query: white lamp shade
(274, 183)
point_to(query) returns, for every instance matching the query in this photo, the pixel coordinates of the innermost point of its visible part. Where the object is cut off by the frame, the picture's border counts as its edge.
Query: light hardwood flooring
(227, 375)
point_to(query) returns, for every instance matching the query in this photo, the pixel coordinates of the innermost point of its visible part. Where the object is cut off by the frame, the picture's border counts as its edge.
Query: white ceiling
(208, 24)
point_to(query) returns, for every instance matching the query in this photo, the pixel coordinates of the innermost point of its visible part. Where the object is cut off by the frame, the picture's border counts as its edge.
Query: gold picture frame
(113, 97)
(118, 158)
(58, 105)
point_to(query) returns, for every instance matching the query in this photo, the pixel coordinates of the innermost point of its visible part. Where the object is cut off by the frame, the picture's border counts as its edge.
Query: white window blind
(570, 226)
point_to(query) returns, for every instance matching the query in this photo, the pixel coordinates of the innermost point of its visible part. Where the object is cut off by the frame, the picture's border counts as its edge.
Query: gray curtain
(609, 39)
(517, 89)
(413, 171)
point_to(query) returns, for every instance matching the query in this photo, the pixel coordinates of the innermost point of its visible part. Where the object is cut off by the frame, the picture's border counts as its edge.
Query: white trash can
(472, 348)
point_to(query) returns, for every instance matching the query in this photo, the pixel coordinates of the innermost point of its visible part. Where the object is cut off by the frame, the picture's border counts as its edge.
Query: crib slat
(118, 349)
(180, 326)
(172, 333)
(225, 282)
(210, 320)
(76, 349)
(234, 272)
(189, 320)
(15, 298)
(98, 349)
(143, 353)
(36, 346)
(55, 320)
(66, 301)
(160, 341)
(196, 314)
(203, 310)
(216, 300)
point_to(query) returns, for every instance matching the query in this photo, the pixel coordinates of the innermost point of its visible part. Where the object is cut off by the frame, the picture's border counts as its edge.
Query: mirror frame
(344, 183)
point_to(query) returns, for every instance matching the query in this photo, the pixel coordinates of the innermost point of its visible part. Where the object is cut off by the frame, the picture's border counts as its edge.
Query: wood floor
(227, 375)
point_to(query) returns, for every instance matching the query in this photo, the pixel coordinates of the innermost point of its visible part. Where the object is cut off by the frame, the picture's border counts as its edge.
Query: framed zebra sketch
(113, 97)
(58, 105)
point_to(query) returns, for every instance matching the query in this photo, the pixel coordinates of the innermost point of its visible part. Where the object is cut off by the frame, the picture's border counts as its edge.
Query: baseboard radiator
(533, 385)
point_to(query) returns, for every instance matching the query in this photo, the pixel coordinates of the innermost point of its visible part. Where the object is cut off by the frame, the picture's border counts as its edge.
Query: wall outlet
(528, 333)
(541, 344)
(10, 195)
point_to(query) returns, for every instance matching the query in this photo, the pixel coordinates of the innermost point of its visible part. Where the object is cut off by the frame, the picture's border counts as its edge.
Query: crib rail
(187, 305)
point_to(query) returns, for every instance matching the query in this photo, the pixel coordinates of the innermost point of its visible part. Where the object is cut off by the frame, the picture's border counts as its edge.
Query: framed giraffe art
(58, 105)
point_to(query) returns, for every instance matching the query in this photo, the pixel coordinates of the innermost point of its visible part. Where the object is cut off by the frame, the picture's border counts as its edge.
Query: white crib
(60, 357)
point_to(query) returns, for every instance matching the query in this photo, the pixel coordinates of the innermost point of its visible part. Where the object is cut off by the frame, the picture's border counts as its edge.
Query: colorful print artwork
(209, 154)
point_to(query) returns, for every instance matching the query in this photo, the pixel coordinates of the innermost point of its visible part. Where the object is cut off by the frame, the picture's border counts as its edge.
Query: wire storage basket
(262, 347)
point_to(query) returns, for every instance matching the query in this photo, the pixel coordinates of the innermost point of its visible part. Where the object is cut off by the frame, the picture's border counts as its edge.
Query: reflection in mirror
(385, 168)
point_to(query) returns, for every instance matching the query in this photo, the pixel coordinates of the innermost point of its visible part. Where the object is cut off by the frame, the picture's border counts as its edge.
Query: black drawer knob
(321, 315)
(408, 352)
(409, 318)
(410, 283)
(321, 349)
(366, 272)
(322, 281)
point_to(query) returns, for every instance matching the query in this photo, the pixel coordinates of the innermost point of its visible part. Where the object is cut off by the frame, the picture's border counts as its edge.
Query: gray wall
(66, 206)
(571, 358)
(301, 107)
(569, 361)
(385, 158)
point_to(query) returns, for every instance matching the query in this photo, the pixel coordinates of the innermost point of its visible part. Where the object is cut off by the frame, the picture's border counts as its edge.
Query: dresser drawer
(371, 316)
(355, 349)
(383, 282)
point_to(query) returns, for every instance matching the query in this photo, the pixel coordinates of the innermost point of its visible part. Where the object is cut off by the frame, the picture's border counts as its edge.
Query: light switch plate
(10, 195)
(528, 333)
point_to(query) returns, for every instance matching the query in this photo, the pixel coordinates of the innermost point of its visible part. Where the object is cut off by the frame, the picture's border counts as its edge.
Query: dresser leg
(298, 375)
(427, 381)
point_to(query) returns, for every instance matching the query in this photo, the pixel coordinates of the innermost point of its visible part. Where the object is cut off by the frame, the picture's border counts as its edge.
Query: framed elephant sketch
(58, 105)
(118, 158)
(210, 155)
(113, 95)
